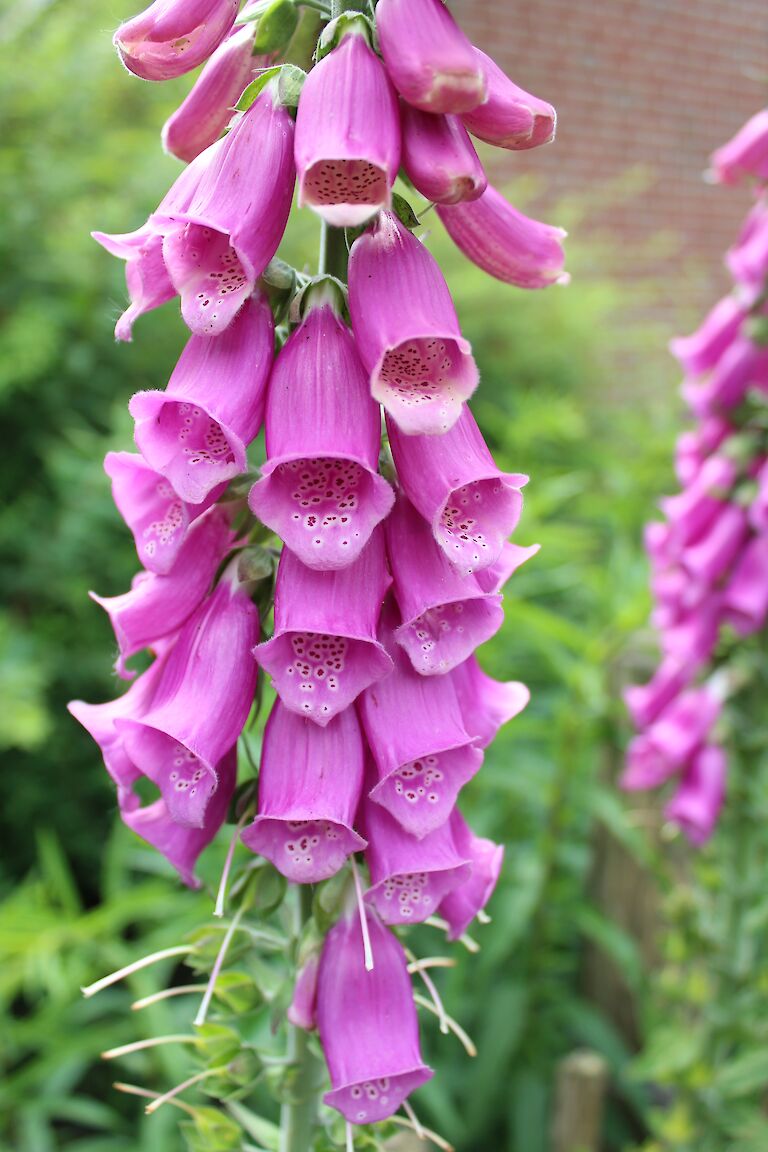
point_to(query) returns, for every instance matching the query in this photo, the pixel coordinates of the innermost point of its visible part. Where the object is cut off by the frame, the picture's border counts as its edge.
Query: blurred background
(620, 967)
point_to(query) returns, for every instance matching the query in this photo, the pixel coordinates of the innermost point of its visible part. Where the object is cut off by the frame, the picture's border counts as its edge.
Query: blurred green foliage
(577, 391)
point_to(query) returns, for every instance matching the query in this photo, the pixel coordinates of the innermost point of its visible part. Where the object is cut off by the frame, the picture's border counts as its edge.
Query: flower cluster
(709, 557)
(394, 557)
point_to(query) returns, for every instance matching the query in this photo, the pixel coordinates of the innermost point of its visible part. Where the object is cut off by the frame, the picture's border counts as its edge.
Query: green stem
(333, 252)
(298, 1115)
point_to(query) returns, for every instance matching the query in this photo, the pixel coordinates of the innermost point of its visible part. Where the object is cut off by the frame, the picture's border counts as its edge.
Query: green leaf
(746, 1074)
(275, 27)
(404, 212)
(264, 1131)
(255, 87)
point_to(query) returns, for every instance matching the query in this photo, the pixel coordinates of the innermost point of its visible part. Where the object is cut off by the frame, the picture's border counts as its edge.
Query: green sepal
(256, 563)
(212, 1131)
(348, 23)
(217, 1044)
(290, 84)
(756, 330)
(256, 87)
(322, 290)
(404, 212)
(265, 889)
(745, 493)
(329, 899)
(275, 28)
(252, 13)
(239, 992)
(255, 1126)
(207, 941)
(244, 795)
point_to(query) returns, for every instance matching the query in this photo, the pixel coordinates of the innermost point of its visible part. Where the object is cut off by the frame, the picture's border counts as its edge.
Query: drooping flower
(180, 844)
(486, 704)
(157, 606)
(172, 37)
(201, 702)
(320, 488)
(510, 117)
(310, 782)
(302, 1010)
(196, 432)
(745, 597)
(422, 752)
(461, 906)
(672, 739)
(347, 162)
(445, 616)
(407, 331)
(205, 112)
(156, 515)
(746, 154)
(324, 650)
(453, 481)
(505, 243)
(428, 57)
(147, 279)
(439, 157)
(696, 804)
(357, 1011)
(216, 247)
(699, 352)
(409, 876)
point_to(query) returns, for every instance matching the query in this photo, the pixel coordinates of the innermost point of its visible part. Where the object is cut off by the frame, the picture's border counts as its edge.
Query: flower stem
(298, 1114)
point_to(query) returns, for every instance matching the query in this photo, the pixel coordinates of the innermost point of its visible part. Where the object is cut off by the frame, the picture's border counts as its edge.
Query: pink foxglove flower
(745, 598)
(157, 606)
(669, 743)
(180, 844)
(422, 751)
(156, 515)
(693, 447)
(758, 509)
(697, 802)
(204, 114)
(453, 481)
(320, 488)
(310, 783)
(217, 247)
(324, 650)
(302, 1010)
(356, 1010)
(147, 279)
(699, 352)
(742, 366)
(486, 704)
(201, 703)
(172, 37)
(510, 117)
(747, 260)
(746, 154)
(409, 876)
(431, 62)
(512, 557)
(407, 331)
(709, 558)
(197, 431)
(347, 162)
(461, 906)
(445, 615)
(505, 243)
(693, 511)
(439, 158)
(645, 702)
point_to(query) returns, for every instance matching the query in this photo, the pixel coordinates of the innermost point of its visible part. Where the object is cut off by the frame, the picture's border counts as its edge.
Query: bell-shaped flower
(673, 738)
(445, 615)
(439, 158)
(310, 782)
(201, 703)
(320, 489)
(710, 557)
(429, 59)
(695, 446)
(700, 352)
(407, 332)
(696, 804)
(196, 432)
(461, 906)
(410, 877)
(693, 511)
(645, 702)
(147, 279)
(422, 751)
(758, 509)
(157, 606)
(156, 515)
(486, 704)
(101, 722)
(690, 637)
(512, 557)
(324, 650)
(217, 247)
(180, 844)
(453, 481)
(742, 366)
(172, 37)
(746, 154)
(745, 598)
(207, 109)
(347, 161)
(367, 1022)
(302, 1010)
(505, 243)
(747, 260)
(510, 117)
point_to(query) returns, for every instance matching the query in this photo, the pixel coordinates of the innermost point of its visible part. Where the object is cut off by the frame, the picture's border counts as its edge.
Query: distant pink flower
(746, 154)
(697, 802)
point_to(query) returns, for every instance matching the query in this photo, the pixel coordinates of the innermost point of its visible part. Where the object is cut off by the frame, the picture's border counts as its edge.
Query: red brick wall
(651, 83)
